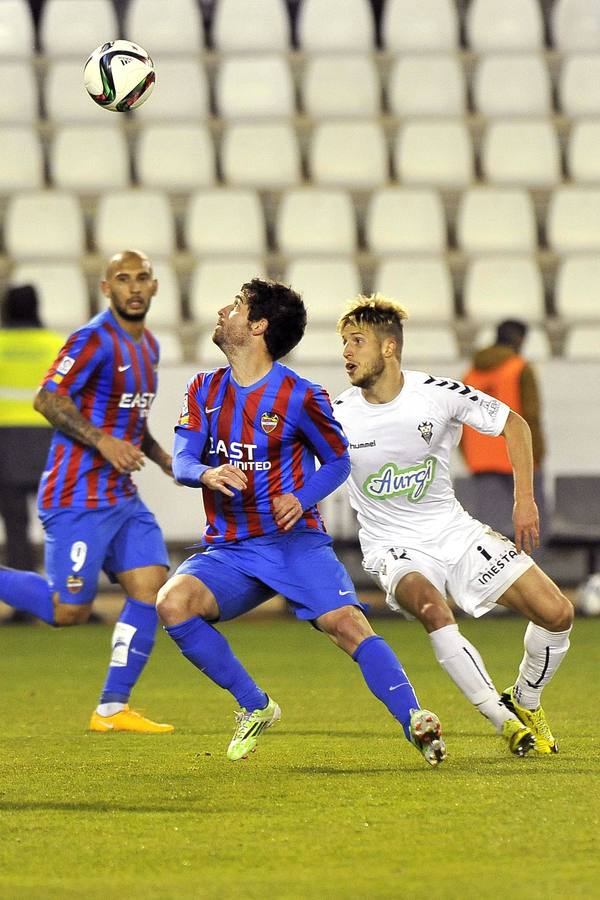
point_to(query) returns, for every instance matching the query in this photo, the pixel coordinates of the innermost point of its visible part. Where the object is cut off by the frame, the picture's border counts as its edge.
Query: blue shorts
(301, 565)
(80, 542)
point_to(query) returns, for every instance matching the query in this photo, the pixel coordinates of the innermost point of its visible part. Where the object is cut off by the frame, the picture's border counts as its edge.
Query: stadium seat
(582, 343)
(225, 221)
(22, 162)
(326, 286)
(577, 288)
(434, 153)
(62, 292)
(251, 26)
(44, 224)
(89, 158)
(160, 31)
(171, 351)
(76, 27)
(254, 87)
(576, 25)
(175, 157)
(215, 283)
(579, 85)
(181, 92)
(506, 27)
(349, 154)
(422, 284)
(496, 220)
(427, 26)
(573, 224)
(341, 86)
(319, 346)
(336, 25)
(583, 162)
(521, 153)
(134, 218)
(16, 29)
(426, 85)
(405, 220)
(511, 286)
(165, 312)
(316, 221)
(261, 155)
(536, 346)
(427, 344)
(18, 93)
(65, 97)
(512, 85)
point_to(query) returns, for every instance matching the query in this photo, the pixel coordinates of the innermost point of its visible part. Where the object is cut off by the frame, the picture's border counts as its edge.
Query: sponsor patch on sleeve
(65, 365)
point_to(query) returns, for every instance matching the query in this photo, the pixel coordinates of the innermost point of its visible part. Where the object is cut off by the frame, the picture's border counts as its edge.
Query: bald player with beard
(97, 395)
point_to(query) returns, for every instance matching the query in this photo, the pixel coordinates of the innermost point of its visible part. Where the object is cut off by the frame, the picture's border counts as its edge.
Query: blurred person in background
(26, 351)
(502, 372)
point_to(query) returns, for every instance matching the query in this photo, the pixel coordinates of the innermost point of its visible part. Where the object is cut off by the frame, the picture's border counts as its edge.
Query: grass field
(335, 804)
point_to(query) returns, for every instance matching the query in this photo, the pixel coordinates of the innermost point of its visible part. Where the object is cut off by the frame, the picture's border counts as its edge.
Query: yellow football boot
(534, 719)
(519, 737)
(128, 720)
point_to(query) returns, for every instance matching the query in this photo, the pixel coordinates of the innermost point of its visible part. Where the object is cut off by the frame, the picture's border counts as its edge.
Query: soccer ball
(588, 596)
(119, 76)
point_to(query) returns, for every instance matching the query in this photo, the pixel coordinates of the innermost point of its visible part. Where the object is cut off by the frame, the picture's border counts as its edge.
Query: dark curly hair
(284, 310)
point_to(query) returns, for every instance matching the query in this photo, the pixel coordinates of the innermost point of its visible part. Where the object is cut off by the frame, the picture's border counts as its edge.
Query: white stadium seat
(165, 311)
(583, 343)
(579, 85)
(573, 224)
(427, 26)
(254, 87)
(521, 153)
(62, 292)
(89, 158)
(577, 288)
(136, 218)
(326, 286)
(251, 26)
(17, 34)
(427, 344)
(350, 154)
(583, 161)
(341, 86)
(576, 25)
(509, 285)
(22, 162)
(171, 351)
(177, 29)
(175, 157)
(320, 345)
(316, 221)
(263, 155)
(422, 284)
(496, 220)
(336, 25)
(65, 97)
(405, 220)
(512, 85)
(225, 221)
(505, 26)
(426, 85)
(434, 153)
(18, 93)
(44, 224)
(215, 283)
(536, 346)
(76, 27)
(180, 92)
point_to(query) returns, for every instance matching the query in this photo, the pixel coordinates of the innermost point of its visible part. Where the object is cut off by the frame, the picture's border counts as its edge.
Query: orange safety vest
(482, 452)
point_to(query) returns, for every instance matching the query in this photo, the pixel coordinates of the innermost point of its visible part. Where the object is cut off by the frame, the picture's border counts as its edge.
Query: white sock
(544, 652)
(464, 665)
(109, 709)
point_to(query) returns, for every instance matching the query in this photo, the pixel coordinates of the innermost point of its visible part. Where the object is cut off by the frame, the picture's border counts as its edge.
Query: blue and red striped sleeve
(75, 364)
(191, 433)
(325, 437)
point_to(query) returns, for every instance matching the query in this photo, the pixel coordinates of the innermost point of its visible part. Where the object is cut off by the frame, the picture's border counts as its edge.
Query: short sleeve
(482, 412)
(75, 364)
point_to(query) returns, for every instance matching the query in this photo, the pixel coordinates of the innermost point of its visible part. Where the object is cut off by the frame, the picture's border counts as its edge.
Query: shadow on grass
(93, 806)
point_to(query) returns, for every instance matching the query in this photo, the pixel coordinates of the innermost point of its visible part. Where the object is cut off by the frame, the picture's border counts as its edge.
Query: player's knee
(563, 613)
(434, 613)
(66, 614)
(174, 604)
(347, 626)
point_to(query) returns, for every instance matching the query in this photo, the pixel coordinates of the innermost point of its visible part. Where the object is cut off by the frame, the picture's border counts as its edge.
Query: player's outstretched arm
(525, 512)
(152, 449)
(63, 415)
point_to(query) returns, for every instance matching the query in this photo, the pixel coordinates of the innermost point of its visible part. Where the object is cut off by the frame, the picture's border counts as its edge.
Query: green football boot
(249, 727)
(426, 735)
(534, 719)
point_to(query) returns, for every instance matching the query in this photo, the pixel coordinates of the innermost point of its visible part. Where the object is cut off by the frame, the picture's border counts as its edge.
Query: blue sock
(386, 678)
(28, 592)
(208, 650)
(132, 643)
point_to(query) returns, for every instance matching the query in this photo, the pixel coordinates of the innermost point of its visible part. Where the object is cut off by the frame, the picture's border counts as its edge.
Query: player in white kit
(417, 540)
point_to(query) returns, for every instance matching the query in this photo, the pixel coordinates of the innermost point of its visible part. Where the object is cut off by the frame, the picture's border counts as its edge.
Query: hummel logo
(212, 409)
(343, 593)
(123, 368)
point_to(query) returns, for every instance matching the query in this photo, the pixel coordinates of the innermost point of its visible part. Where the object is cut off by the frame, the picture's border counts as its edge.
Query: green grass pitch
(335, 803)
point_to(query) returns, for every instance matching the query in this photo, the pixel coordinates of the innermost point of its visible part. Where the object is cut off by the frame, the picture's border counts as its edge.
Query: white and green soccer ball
(119, 76)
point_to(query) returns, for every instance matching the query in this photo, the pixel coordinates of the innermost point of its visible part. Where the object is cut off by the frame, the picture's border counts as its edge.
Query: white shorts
(475, 579)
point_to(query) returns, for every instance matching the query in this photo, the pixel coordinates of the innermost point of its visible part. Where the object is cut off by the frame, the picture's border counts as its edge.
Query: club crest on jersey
(269, 422)
(74, 584)
(426, 429)
(390, 481)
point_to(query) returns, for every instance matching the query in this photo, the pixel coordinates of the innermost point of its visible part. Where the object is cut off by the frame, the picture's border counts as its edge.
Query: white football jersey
(400, 483)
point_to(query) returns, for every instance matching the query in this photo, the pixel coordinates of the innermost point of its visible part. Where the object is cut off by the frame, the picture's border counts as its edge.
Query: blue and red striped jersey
(273, 430)
(112, 380)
